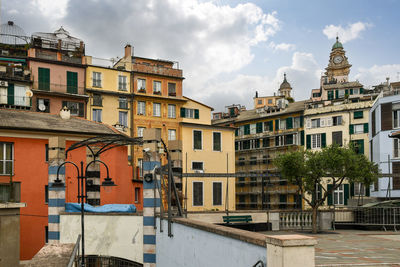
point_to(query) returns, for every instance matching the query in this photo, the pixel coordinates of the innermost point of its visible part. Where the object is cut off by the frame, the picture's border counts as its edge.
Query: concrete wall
(9, 234)
(195, 247)
(116, 235)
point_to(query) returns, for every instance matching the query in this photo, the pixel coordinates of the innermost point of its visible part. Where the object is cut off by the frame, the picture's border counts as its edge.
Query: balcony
(153, 69)
(10, 192)
(9, 73)
(59, 88)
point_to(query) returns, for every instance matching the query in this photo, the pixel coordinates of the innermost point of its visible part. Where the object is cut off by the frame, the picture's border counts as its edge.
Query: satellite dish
(42, 107)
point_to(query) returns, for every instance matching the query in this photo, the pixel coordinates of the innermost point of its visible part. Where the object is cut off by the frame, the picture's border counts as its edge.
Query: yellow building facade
(207, 149)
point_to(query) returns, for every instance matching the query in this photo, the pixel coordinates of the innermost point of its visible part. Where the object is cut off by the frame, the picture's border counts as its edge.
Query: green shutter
(330, 95)
(337, 93)
(81, 111)
(236, 132)
(302, 138)
(308, 141)
(289, 123)
(196, 114)
(10, 94)
(183, 112)
(276, 125)
(366, 127)
(361, 91)
(44, 79)
(301, 121)
(346, 193)
(346, 92)
(351, 91)
(259, 127)
(360, 144)
(72, 82)
(351, 129)
(236, 146)
(358, 114)
(330, 194)
(352, 189)
(271, 126)
(323, 140)
(247, 129)
(367, 190)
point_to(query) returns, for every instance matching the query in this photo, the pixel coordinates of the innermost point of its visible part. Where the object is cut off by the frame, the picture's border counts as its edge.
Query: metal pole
(227, 187)
(81, 196)
(186, 187)
(169, 205)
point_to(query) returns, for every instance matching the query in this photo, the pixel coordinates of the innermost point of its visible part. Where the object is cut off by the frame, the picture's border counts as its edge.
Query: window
(315, 140)
(330, 95)
(156, 109)
(97, 100)
(156, 87)
(337, 138)
(358, 146)
(46, 194)
(171, 111)
(46, 152)
(282, 124)
(315, 123)
(253, 160)
(141, 85)
(197, 140)
(76, 108)
(121, 83)
(96, 79)
(358, 128)
(265, 142)
(123, 118)
(341, 93)
(123, 102)
(242, 161)
(46, 234)
(216, 141)
(358, 114)
(296, 122)
(395, 180)
(6, 158)
(172, 89)
(359, 189)
(269, 101)
(43, 105)
(396, 148)
(356, 91)
(259, 102)
(140, 131)
(189, 113)
(44, 79)
(97, 115)
(140, 168)
(217, 193)
(171, 134)
(197, 193)
(141, 108)
(137, 194)
(338, 195)
(337, 120)
(396, 118)
(72, 82)
(197, 166)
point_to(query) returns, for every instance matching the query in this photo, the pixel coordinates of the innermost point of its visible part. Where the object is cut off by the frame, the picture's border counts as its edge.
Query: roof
(285, 84)
(185, 97)
(252, 114)
(337, 44)
(36, 121)
(342, 85)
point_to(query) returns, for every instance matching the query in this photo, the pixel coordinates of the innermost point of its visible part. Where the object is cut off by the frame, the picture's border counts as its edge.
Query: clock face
(337, 59)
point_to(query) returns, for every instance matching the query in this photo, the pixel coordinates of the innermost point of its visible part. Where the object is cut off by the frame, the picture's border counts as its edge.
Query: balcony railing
(10, 192)
(60, 88)
(15, 75)
(11, 100)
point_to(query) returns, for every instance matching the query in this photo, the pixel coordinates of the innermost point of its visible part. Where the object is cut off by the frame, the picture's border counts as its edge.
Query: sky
(229, 49)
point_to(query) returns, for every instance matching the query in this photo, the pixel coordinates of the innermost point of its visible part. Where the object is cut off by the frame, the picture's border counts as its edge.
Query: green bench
(237, 218)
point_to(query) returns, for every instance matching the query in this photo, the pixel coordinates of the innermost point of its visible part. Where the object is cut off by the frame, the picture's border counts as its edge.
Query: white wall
(197, 248)
(108, 235)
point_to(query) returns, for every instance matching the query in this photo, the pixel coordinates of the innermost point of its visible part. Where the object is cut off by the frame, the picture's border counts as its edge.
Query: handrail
(259, 263)
(74, 252)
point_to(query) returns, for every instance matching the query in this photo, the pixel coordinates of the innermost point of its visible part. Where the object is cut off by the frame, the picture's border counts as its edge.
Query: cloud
(282, 46)
(346, 34)
(378, 74)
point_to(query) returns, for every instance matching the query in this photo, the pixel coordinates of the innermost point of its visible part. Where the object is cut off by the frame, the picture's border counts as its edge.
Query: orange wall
(31, 170)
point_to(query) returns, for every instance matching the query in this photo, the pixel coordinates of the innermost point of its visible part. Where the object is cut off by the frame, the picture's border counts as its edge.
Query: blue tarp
(76, 207)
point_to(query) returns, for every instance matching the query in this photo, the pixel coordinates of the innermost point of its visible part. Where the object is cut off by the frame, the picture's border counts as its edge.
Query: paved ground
(352, 248)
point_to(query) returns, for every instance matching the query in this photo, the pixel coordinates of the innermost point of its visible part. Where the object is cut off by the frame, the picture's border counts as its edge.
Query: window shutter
(236, 145)
(308, 141)
(367, 190)
(351, 91)
(386, 116)
(366, 127)
(247, 129)
(289, 123)
(308, 124)
(302, 138)
(72, 82)
(336, 93)
(346, 92)
(276, 125)
(196, 114)
(360, 144)
(183, 112)
(358, 114)
(81, 110)
(259, 127)
(330, 194)
(301, 121)
(346, 193)
(351, 129)
(352, 189)
(10, 94)
(323, 140)
(236, 132)
(361, 91)
(271, 126)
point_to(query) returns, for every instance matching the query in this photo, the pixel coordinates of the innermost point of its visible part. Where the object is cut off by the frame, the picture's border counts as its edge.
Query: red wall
(31, 170)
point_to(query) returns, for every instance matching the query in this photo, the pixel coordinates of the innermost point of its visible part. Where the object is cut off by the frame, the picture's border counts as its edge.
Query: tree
(307, 169)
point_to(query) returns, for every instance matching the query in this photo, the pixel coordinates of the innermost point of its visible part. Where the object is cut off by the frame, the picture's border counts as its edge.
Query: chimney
(128, 51)
(65, 113)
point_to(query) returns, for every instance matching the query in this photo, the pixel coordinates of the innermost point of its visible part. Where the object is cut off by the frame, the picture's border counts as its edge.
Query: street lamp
(82, 194)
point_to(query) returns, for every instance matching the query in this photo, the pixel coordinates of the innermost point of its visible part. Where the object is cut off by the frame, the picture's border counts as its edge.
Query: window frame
(201, 140)
(4, 161)
(139, 111)
(221, 193)
(358, 126)
(193, 193)
(97, 110)
(140, 130)
(122, 85)
(142, 82)
(170, 93)
(96, 79)
(339, 193)
(125, 114)
(195, 161)
(170, 113)
(220, 141)
(137, 195)
(123, 102)
(156, 90)
(170, 131)
(97, 100)
(155, 105)
(317, 141)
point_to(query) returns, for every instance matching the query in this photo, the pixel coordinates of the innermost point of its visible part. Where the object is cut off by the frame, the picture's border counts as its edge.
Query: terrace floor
(355, 248)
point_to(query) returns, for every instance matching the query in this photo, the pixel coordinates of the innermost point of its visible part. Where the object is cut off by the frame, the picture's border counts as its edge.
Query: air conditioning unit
(3, 83)
(198, 171)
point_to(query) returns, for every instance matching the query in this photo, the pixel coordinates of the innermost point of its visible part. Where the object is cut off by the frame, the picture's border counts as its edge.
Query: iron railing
(74, 260)
(105, 261)
(10, 192)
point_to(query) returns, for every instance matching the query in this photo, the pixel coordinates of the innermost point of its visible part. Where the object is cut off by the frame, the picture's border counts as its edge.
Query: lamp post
(82, 194)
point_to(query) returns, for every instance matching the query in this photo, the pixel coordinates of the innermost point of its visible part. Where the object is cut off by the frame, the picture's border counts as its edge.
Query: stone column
(291, 251)
(151, 196)
(56, 202)
(93, 178)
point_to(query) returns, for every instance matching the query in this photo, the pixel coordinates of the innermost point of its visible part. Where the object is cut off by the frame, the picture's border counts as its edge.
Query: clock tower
(338, 68)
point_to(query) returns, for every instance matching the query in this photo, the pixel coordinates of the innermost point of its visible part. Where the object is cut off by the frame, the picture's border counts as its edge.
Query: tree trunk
(314, 219)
